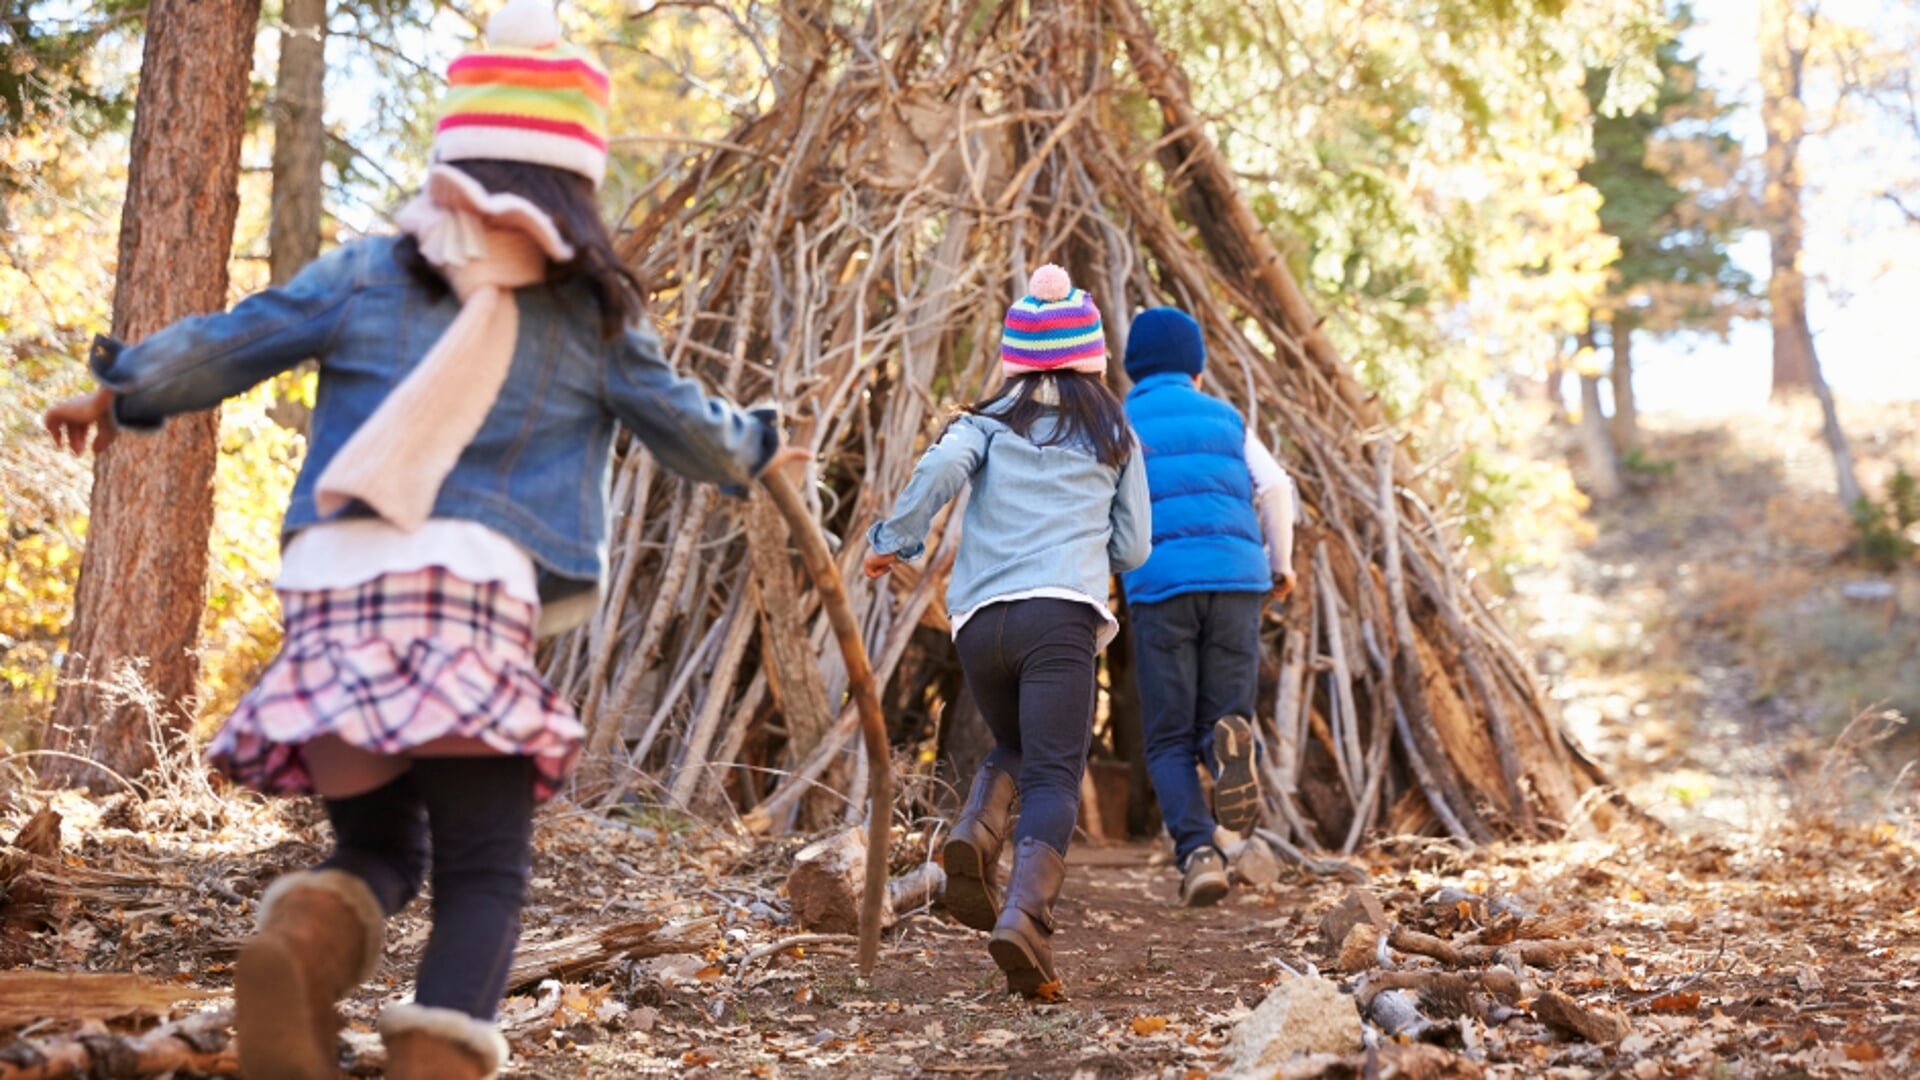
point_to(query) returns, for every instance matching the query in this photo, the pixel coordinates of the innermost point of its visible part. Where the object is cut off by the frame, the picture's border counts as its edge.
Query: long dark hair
(1084, 412)
(568, 198)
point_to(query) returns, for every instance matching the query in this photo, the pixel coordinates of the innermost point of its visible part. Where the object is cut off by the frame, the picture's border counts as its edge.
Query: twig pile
(1455, 955)
(849, 254)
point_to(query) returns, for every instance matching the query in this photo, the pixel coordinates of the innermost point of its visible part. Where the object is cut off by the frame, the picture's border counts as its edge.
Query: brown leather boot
(425, 1043)
(972, 854)
(1022, 941)
(321, 934)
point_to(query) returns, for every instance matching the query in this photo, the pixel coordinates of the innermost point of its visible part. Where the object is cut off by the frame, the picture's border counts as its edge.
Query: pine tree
(143, 576)
(1670, 178)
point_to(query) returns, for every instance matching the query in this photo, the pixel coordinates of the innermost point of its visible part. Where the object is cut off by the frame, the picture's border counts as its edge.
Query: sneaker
(1236, 784)
(1204, 880)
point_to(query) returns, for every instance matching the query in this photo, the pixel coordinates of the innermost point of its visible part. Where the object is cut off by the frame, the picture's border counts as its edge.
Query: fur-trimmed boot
(425, 1043)
(1022, 941)
(321, 934)
(972, 853)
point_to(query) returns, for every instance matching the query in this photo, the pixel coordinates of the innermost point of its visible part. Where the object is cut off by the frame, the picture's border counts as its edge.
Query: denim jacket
(1040, 517)
(539, 470)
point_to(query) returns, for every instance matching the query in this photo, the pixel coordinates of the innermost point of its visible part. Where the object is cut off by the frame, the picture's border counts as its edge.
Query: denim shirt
(1040, 517)
(539, 470)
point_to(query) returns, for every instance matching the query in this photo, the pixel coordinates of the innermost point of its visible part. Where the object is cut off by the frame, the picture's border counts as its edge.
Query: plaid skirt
(393, 664)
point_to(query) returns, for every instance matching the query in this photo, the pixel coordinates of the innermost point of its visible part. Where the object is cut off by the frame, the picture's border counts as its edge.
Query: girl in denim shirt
(452, 505)
(1059, 504)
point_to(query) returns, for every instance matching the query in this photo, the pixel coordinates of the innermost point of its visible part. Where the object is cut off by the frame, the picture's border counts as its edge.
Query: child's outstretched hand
(878, 565)
(1284, 587)
(72, 420)
(788, 455)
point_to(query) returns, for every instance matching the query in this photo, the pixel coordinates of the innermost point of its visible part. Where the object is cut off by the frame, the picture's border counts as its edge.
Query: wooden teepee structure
(849, 253)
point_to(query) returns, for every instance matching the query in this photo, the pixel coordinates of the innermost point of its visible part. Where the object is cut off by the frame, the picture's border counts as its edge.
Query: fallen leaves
(1678, 1001)
(1144, 1026)
(1568, 1018)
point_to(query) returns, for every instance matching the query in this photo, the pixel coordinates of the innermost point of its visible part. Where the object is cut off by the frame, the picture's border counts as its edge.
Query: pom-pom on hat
(1164, 339)
(1055, 327)
(526, 96)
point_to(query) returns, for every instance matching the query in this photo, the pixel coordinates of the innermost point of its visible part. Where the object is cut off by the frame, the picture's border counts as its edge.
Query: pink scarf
(486, 246)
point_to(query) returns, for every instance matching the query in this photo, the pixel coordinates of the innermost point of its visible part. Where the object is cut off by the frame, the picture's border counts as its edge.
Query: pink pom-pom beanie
(1055, 327)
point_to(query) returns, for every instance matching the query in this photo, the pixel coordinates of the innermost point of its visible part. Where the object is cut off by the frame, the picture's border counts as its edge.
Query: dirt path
(1794, 957)
(937, 1005)
(1698, 645)
(1701, 642)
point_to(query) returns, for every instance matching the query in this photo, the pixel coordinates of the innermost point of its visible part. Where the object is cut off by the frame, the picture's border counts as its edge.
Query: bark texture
(1596, 442)
(299, 139)
(1785, 29)
(143, 575)
(1625, 422)
(1783, 57)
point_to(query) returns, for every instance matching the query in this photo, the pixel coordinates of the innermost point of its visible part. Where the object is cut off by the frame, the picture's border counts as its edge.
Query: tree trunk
(1845, 483)
(1784, 31)
(143, 576)
(1783, 54)
(1625, 423)
(1557, 392)
(1596, 442)
(298, 139)
(299, 142)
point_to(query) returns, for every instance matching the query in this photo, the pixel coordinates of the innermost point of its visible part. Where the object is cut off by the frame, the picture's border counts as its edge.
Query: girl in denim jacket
(1059, 504)
(452, 505)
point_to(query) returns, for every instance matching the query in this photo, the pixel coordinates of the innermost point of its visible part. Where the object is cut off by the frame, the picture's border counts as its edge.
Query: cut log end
(827, 881)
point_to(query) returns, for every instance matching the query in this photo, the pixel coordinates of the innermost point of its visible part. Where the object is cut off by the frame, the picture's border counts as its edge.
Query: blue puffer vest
(1206, 537)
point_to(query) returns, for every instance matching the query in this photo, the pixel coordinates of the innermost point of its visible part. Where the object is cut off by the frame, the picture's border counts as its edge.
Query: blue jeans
(1029, 664)
(1197, 659)
(471, 819)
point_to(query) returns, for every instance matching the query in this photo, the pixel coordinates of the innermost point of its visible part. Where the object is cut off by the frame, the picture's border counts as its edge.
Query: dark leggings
(478, 814)
(1029, 664)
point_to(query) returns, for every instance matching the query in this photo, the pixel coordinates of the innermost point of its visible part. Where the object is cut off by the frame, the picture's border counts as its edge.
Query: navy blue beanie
(1164, 339)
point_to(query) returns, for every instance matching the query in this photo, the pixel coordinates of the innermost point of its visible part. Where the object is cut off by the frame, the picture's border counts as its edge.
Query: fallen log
(200, 1045)
(1542, 954)
(917, 888)
(26, 996)
(1397, 1013)
(827, 883)
(572, 956)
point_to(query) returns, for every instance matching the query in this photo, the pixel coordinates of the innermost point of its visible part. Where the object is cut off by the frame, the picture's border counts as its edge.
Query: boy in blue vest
(1223, 512)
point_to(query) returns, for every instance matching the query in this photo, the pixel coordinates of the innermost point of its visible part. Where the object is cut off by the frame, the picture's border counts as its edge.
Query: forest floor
(1699, 641)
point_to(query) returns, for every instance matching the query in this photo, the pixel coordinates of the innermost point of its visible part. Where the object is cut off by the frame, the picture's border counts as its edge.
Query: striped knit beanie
(1055, 327)
(527, 96)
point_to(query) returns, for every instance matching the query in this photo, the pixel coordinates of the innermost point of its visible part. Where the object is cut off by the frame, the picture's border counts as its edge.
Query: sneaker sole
(968, 898)
(1206, 892)
(1022, 968)
(272, 1026)
(1236, 790)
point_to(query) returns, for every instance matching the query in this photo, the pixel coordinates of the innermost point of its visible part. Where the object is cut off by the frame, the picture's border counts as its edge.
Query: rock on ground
(1307, 1015)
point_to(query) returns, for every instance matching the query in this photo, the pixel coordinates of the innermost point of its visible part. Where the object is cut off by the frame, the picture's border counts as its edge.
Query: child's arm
(202, 360)
(1131, 516)
(1273, 500)
(703, 438)
(936, 479)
